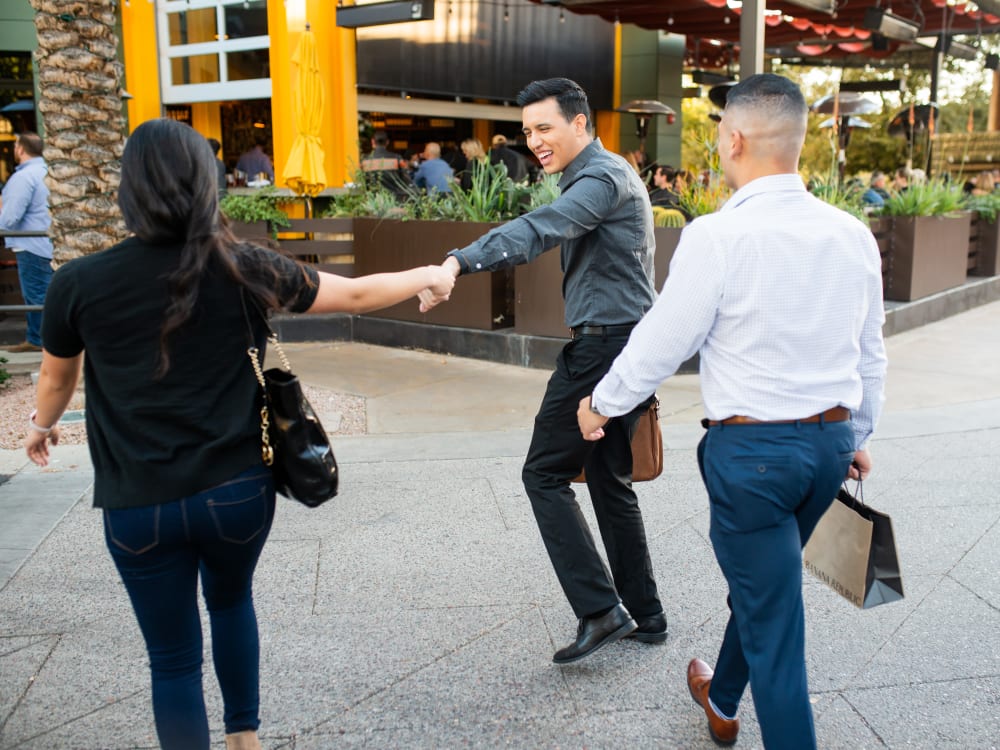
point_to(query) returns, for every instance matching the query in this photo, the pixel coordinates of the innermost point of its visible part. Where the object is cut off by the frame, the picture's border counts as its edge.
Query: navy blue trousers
(159, 551)
(34, 272)
(768, 485)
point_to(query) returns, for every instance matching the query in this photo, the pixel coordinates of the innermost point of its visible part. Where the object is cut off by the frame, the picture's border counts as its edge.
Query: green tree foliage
(869, 148)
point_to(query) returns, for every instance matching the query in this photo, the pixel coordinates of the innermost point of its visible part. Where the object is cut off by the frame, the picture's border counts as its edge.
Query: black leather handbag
(293, 442)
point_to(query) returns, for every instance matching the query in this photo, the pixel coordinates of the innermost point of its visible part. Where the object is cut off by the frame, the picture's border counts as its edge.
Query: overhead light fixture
(379, 14)
(892, 85)
(889, 25)
(957, 49)
(823, 6)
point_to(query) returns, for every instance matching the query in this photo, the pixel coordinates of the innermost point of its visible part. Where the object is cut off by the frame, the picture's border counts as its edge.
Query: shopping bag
(853, 551)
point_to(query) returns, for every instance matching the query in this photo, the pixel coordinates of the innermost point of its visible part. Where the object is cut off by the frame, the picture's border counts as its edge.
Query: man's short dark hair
(31, 143)
(571, 98)
(774, 91)
(215, 145)
(381, 138)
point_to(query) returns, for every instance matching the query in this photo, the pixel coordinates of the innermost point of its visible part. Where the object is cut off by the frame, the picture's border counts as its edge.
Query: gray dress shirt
(604, 225)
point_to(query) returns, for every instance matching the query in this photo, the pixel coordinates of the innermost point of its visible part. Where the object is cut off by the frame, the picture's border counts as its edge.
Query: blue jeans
(768, 485)
(34, 272)
(159, 551)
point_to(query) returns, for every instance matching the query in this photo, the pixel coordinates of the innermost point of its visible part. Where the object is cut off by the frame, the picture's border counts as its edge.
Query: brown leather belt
(836, 414)
(620, 330)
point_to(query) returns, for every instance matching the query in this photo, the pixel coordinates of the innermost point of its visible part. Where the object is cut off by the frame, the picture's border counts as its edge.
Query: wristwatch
(594, 408)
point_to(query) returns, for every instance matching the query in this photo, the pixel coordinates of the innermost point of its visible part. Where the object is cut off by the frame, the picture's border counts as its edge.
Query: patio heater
(644, 111)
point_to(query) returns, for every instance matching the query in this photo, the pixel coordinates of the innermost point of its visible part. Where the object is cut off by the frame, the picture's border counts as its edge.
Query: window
(212, 50)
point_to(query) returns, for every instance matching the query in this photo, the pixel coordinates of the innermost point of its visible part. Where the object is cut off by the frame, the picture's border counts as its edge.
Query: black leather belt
(622, 330)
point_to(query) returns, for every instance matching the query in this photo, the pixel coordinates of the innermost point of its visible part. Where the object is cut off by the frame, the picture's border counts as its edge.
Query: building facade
(225, 67)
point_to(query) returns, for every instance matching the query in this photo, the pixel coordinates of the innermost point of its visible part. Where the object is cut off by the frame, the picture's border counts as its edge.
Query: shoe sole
(648, 637)
(623, 631)
(715, 738)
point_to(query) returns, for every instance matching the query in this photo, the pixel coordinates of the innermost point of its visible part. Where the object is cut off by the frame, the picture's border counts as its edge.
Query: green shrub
(843, 195)
(932, 198)
(986, 206)
(492, 197)
(260, 205)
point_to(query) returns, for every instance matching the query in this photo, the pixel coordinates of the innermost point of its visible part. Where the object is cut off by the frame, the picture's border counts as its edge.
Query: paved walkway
(418, 610)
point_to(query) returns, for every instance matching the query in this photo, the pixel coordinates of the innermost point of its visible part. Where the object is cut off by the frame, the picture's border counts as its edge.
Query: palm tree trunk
(80, 76)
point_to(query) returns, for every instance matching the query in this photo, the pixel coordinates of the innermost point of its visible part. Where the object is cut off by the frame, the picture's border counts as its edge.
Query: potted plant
(392, 233)
(928, 243)
(984, 237)
(255, 215)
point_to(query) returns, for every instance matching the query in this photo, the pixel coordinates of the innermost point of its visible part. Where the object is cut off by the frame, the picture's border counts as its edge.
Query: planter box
(256, 230)
(327, 243)
(984, 243)
(539, 309)
(480, 300)
(927, 254)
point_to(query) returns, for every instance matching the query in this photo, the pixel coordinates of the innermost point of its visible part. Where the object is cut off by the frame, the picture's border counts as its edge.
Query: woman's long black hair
(169, 194)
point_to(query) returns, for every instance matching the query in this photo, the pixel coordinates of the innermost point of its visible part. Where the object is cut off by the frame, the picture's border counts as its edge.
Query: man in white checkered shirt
(781, 295)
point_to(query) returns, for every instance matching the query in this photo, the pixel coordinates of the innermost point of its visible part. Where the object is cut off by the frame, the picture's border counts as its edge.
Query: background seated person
(433, 174)
(387, 168)
(876, 193)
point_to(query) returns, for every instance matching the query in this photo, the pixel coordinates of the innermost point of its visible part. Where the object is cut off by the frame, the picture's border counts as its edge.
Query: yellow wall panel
(142, 79)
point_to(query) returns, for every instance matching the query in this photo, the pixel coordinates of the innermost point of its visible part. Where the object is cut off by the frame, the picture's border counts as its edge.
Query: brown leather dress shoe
(24, 346)
(723, 731)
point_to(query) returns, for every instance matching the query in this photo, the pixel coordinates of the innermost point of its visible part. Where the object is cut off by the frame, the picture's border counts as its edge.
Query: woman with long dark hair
(173, 431)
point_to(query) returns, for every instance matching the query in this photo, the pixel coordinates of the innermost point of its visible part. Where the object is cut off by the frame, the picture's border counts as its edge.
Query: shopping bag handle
(858, 496)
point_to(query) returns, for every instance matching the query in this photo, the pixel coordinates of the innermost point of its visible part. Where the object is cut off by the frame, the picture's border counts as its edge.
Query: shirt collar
(32, 160)
(581, 160)
(773, 183)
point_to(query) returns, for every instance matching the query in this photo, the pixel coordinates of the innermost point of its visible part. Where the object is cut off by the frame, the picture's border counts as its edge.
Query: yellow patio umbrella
(304, 172)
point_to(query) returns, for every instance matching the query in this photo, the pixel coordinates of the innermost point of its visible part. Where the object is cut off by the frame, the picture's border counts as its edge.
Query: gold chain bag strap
(293, 442)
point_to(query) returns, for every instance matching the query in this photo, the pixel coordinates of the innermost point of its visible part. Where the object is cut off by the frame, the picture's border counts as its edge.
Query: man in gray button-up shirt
(603, 223)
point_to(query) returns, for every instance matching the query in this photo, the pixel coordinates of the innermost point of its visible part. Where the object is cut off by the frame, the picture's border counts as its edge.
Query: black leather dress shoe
(652, 629)
(595, 632)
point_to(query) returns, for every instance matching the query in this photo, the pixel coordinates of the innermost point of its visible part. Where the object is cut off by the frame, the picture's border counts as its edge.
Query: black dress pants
(556, 455)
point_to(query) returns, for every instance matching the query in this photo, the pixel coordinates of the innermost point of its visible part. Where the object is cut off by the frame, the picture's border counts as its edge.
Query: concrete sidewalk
(419, 610)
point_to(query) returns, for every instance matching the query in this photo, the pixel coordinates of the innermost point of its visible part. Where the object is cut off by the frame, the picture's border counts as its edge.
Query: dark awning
(793, 32)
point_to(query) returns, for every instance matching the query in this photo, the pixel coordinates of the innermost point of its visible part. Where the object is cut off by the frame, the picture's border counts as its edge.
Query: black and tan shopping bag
(853, 551)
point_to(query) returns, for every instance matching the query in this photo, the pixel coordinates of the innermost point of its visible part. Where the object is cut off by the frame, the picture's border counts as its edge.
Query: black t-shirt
(153, 441)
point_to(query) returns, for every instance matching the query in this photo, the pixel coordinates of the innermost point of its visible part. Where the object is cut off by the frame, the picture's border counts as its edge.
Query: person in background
(603, 223)
(500, 152)
(876, 194)
(220, 166)
(983, 184)
(24, 207)
(792, 375)
(433, 174)
(900, 180)
(173, 414)
(388, 168)
(663, 193)
(255, 162)
(475, 158)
